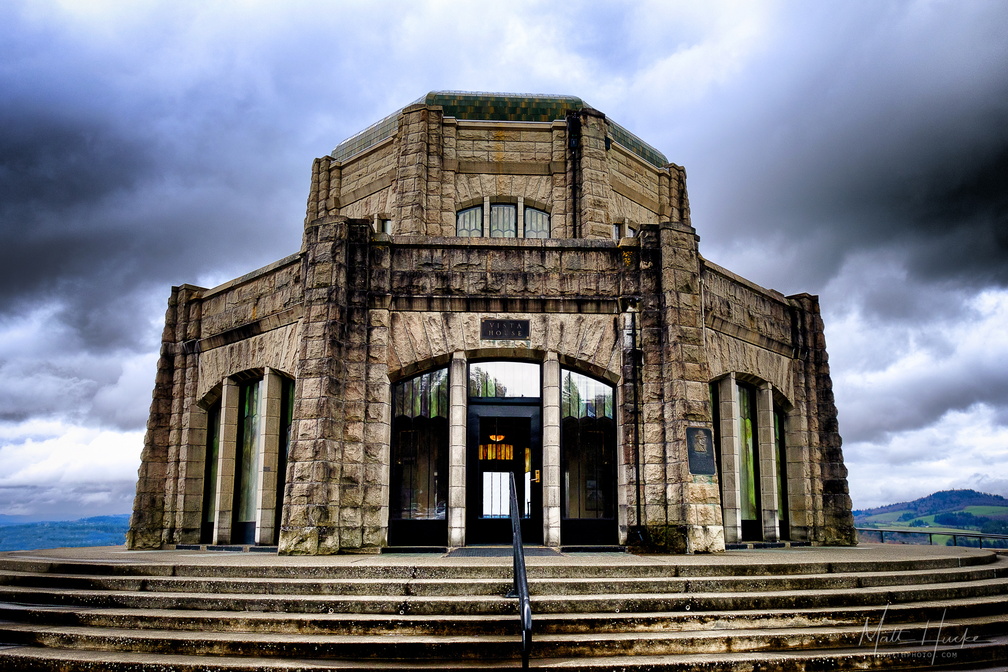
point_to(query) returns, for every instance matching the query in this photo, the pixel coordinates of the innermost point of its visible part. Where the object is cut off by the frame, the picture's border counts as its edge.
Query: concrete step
(846, 610)
(587, 602)
(567, 585)
(413, 567)
(992, 607)
(947, 632)
(989, 656)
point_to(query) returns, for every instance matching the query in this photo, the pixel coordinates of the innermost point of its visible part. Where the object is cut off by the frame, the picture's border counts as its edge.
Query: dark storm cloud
(871, 125)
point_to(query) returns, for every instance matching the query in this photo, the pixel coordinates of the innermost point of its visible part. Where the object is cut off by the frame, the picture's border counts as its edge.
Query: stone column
(832, 520)
(419, 157)
(311, 519)
(154, 506)
(551, 450)
(767, 455)
(194, 470)
(731, 510)
(595, 193)
(560, 186)
(457, 399)
(226, 461)
(449, 163)
(269, 442)
(377, 432)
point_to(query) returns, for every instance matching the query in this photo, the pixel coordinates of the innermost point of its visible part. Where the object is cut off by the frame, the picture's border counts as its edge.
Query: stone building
(491, 285)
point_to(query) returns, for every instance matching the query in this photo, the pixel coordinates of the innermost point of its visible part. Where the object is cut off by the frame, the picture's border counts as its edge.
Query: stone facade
(272, 419)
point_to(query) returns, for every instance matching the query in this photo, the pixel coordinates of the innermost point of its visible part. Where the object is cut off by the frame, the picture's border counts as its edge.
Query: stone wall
(434, 166)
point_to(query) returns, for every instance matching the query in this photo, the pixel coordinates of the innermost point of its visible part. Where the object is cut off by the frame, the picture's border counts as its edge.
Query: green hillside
(948, 511)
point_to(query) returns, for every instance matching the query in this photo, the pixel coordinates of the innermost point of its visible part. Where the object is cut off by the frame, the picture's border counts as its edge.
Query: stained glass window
(748, 465)
(503, 220)
(587, 446)
(420, 447)
(537, 223)
(469, 222)
(210, 472)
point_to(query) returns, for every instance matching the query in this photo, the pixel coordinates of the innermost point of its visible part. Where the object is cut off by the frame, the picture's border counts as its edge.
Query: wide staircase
(871, 607)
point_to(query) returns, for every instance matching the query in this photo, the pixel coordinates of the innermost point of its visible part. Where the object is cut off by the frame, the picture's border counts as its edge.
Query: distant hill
(946, 501)
(949, 509)
(96, 531)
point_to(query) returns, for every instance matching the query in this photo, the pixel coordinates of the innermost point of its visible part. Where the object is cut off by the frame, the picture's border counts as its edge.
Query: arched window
(469, 222)
(506, 220)
(537, 223)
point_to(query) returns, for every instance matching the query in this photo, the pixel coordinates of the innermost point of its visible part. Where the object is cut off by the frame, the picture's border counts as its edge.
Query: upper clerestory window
(505, 220)
(469, 222)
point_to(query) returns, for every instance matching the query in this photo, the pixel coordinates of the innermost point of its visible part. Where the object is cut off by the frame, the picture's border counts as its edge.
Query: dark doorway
(503, 438)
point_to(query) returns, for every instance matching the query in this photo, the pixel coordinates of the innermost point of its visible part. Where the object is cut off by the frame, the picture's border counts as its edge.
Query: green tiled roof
(495, 107)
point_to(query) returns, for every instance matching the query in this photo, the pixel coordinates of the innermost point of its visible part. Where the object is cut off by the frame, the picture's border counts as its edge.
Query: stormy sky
(857, 150)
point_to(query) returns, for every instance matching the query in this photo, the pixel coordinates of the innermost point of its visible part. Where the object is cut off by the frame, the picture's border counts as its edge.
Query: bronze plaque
(700, 447)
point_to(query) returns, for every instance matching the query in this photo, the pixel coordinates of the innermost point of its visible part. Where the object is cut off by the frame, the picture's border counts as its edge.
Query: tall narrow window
(283, 448)
(537, 223)
(503, 220)
(420, 448)
(748, 464)
(715, 402)
(782, 481)
(587, 447)
(469, 222)
(247, 459)
(210, 473)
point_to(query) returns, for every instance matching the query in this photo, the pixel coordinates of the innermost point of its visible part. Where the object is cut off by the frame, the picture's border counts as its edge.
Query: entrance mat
(499, 552)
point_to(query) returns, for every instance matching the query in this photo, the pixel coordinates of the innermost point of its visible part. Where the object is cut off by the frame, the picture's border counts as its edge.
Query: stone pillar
(595, 193)
(828, 492)
(551, 450)
(693, 499)
(457, 399)
(194, 470)
(560, 186)
(767, 455)
(226, 461)
(324, 193)
(731, 510)
(152, 515)
(311, 521)
(449, 162)
(419, 161)
(799, 468)
(269, 442)
(377, 432)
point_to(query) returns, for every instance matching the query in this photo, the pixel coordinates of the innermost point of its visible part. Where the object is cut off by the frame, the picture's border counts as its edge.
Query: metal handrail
(520, 588)
(881, 531)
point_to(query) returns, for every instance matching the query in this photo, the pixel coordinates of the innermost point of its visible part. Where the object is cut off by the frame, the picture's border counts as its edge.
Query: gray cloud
(855, 150)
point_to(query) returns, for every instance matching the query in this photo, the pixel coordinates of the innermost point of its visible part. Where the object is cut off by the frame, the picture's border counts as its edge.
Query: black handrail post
(520, 586)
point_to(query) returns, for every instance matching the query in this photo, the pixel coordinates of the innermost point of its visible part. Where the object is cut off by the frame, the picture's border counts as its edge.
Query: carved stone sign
(700, 447)
(504, 330)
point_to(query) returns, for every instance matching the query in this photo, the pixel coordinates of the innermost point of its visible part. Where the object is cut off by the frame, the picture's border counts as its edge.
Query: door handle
(537, 477)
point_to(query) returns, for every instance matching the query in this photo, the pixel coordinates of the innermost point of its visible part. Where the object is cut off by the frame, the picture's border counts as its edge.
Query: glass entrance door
(503, 439)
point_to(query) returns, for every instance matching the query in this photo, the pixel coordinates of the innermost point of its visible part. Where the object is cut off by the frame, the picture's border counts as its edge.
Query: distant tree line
(968, 521)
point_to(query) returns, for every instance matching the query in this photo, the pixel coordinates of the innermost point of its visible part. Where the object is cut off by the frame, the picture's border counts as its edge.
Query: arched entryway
(460, 431)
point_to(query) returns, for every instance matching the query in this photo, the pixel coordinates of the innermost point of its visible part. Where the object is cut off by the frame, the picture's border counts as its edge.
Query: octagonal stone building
(492, 284)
